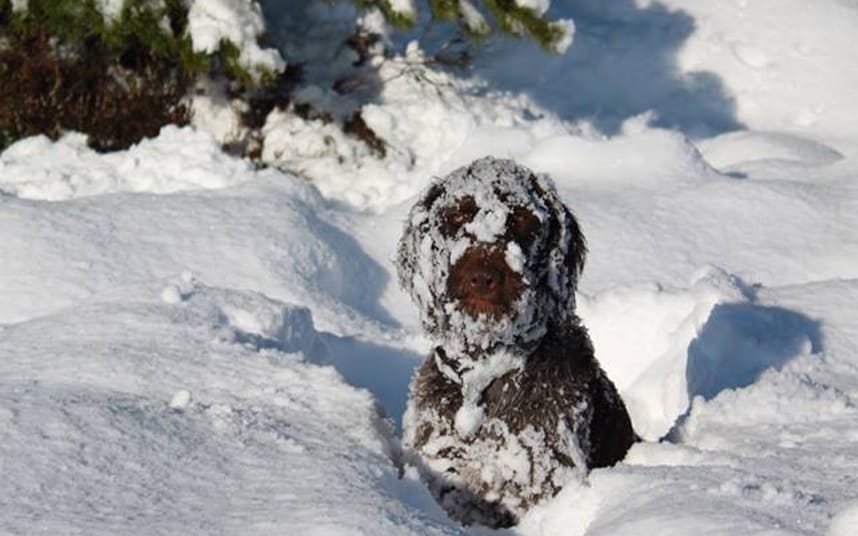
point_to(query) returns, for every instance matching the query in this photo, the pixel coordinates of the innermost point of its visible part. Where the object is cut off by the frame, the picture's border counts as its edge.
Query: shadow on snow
(740, 341)
(623, 63)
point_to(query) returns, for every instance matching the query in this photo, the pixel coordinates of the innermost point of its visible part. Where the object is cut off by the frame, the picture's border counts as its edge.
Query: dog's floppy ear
(414, 229)
(567, 236)
(432, 194)
(576, 246)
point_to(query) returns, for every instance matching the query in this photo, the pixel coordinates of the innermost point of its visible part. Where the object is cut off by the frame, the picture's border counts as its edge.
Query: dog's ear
(576, 246)
(432, 195)
(414, 228)
(568, 232)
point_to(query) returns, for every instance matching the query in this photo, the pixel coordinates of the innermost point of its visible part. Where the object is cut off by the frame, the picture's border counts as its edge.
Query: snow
(238, 21)
(177, 160)
(845, 522)
(180, 400)
(190, 344)
(567, 35)
(405, 7)
(111, 9)
(472, 17)
(539, 6)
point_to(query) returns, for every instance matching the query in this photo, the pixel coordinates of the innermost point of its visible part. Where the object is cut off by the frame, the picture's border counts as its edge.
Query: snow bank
(178, 159)
(642, 337)
(770, 457)
(133, 396)
(729, 152)
(648, 158)
(269, 234)
(182, 424)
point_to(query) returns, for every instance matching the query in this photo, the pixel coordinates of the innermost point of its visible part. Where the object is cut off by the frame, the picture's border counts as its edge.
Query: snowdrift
(188, 344)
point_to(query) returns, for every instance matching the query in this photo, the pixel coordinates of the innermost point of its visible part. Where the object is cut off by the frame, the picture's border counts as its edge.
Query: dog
(511, 404)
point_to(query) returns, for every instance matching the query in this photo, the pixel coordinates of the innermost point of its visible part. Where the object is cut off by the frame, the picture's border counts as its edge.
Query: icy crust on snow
(427, 254)
(239, 21)
(184, 424)
(178, 159)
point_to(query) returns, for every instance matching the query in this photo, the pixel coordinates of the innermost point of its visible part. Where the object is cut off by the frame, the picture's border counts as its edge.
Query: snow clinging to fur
(427, 254)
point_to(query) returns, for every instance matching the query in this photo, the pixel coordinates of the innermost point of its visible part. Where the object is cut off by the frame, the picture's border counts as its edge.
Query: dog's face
(490, 254)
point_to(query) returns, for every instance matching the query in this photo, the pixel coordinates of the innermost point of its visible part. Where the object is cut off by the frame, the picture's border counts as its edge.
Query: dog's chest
(527, 441)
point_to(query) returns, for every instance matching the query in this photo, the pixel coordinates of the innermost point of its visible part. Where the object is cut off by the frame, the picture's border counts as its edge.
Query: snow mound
(179, 410)
(653, 157)
(642, 336)
(270, 234)
(664, 346)
(737, 150)
(261, 323)
(178, 159)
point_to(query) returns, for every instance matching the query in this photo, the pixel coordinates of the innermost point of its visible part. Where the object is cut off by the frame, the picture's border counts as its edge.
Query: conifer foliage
(66, 65)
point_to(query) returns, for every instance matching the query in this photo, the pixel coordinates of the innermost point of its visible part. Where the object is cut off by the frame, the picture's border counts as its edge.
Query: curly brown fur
(512, 403)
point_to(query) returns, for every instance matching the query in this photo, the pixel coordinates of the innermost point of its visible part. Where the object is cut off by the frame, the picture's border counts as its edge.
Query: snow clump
(238, 21)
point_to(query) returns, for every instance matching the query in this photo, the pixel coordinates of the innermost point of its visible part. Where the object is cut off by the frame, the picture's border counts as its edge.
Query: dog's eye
(456, 217)
(524, 225)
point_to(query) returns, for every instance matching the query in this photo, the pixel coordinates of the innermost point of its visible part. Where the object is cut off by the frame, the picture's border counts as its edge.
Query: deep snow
(190, 345)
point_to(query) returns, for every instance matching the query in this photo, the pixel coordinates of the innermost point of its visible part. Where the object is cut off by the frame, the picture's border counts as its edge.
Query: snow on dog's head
(490, 255)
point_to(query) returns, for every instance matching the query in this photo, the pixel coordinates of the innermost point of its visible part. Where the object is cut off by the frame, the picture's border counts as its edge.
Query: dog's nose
(485, 281)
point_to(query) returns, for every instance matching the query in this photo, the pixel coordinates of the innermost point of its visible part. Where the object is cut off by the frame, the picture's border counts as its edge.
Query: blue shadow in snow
(385, 371)
(741, 340)
(623, 62)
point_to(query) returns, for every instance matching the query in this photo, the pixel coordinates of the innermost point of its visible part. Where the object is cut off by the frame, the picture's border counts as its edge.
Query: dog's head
(490, 255)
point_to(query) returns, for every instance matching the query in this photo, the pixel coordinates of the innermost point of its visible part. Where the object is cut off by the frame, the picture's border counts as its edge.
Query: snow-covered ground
(190, 345)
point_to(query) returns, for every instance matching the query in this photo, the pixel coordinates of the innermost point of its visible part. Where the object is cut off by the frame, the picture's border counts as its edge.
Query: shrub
(62, 67)
(65, 66)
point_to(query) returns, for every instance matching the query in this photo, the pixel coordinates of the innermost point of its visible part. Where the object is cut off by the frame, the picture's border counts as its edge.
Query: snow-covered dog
(511, 403)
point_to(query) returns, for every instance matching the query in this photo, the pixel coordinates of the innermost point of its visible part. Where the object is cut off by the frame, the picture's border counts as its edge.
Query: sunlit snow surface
(191, 346)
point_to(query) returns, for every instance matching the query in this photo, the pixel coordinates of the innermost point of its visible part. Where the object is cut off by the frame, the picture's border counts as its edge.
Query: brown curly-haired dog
(511, 404)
